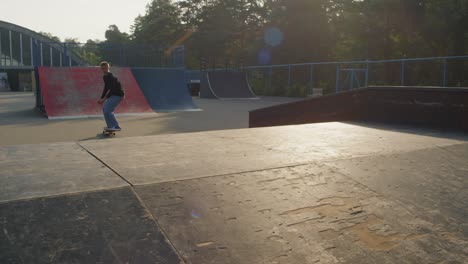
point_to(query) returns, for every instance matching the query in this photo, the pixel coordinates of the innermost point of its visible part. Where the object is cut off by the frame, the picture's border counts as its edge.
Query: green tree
(91, 52)
(114, 35)
(50, 36)
(447, 32)
(71, 40)
(374, 29)
(305, 27)
(225, 30)
(161, 24)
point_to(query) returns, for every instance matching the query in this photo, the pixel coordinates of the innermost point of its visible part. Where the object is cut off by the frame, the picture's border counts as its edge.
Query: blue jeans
(108, 110)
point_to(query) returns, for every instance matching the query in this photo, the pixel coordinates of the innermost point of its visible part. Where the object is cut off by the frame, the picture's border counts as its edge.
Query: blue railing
(59, 54)
(366, 68)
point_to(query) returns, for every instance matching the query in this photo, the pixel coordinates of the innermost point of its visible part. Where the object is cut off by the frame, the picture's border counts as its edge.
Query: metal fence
(331, 77)
(23, 52)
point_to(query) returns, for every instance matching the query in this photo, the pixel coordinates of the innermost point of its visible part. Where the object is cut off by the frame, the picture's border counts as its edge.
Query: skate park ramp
(439, 107)
(205, 89)
(225, 85)
(74, 92)
(315, 193)
(165, 89)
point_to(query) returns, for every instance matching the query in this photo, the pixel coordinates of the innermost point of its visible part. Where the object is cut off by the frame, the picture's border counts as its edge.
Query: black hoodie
(112, 86)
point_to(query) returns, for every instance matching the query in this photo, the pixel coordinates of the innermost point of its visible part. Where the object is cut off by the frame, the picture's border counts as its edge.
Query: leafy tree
(50, 36)
(160, 25)
(113, 35)
(305, 27)
(225, 30)
(373, 29)
(71, 40)
(447, 32)
(91, 52)
(232, 31)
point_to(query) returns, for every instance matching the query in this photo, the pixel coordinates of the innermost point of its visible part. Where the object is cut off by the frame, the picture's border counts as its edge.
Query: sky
(80, 19)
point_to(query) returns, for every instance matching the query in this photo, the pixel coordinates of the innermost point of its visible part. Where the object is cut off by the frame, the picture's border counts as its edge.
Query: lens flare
(195, 214)
(273, 36)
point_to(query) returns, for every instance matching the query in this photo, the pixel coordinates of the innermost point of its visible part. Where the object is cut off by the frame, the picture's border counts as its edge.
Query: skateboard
(109, 133)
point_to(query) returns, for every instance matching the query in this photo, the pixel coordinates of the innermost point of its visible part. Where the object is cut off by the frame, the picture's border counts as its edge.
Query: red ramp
(74, 92)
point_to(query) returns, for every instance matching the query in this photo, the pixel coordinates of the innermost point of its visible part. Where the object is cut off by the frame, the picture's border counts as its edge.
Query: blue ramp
(205, 87)
(164, 89)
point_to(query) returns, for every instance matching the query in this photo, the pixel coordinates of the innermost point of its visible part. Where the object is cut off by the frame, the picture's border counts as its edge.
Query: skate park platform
(313, 193)
(439, 107)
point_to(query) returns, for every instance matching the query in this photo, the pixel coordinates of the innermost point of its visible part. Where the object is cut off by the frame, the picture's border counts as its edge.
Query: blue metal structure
(24, 49)
(21, 48)
(352, 78)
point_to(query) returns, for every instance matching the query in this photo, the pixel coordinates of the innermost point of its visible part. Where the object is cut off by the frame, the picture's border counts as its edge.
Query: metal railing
(27, 54)
(450, 71)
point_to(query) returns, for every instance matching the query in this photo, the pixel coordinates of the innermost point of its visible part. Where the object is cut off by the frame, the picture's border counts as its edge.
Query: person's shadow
(98, 136)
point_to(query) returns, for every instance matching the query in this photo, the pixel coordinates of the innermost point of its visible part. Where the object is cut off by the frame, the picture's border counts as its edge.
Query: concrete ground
(20, 124)
(315, 193)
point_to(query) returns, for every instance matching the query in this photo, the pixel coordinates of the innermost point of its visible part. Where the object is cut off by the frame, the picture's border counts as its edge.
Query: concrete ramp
(165, 89)
(226, 85)
(439, 107)
(74, 92)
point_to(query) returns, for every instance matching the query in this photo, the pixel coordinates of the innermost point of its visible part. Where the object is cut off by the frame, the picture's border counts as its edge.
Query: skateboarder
(111, 97)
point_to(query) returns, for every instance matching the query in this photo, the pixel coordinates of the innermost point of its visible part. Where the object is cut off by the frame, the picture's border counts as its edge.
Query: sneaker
(115, 129)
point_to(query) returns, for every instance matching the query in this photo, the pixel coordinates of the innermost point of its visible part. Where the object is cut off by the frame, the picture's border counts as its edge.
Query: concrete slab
(154, 159)
(432, 183)
(263, 204)
(145, 160)
(336, 140)
(99, 227)
(301, 214)
(30, 171)
(20, 124)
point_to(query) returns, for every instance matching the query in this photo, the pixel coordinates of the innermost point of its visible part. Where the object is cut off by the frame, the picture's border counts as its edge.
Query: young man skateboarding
(111, 97)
